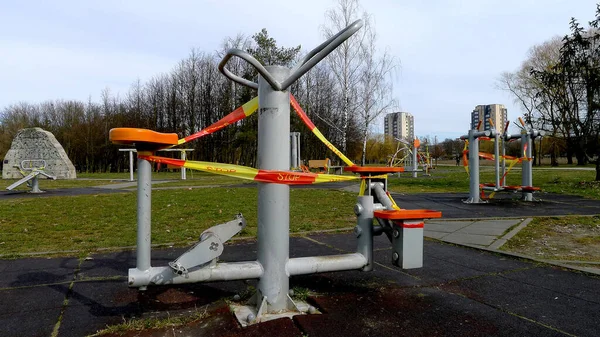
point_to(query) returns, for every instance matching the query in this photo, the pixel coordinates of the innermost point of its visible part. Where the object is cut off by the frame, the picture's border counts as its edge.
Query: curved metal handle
(309, 61)
(250, 59)
(316, 55)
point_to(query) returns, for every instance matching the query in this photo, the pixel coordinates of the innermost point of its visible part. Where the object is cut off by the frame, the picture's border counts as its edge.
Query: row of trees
(558, 87)
(342, 95)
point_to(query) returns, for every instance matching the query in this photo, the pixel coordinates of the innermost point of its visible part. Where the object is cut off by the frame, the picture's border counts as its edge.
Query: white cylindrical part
(130, 165)
(144, 211)
(225, 271)
(183, 174)
(323, 264)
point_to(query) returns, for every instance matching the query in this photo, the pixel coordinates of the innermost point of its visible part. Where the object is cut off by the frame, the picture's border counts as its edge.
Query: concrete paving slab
(546, 307)
(434, 235)
(32, 271)
(470, 239)
(478, 230)
(31, 311)
(473, 259)
(560, 280)
(19, 325)
(446, 226)
(434, 270)
(503, 223)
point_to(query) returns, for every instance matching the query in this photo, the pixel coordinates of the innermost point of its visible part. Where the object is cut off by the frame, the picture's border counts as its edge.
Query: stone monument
(37, 144)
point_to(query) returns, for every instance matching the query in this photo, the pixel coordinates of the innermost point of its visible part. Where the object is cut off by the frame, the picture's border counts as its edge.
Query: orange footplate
(407, 214)
(142, 137)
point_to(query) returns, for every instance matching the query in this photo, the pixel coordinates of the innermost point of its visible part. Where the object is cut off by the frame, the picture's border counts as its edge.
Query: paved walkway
(478, 233)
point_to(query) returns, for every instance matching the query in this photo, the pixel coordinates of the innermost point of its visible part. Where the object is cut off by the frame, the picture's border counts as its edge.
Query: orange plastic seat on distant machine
(373, 169)
(144, 137)
(512, 188)
(530, 189)
(407, 214)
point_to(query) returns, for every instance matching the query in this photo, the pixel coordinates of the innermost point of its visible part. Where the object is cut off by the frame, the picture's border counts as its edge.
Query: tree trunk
(598, 169)
(569, 155)
(364, 147)
(533, 152)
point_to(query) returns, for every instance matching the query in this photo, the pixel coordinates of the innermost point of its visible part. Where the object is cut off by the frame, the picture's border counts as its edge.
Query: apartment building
(497, 113)
(399, 125)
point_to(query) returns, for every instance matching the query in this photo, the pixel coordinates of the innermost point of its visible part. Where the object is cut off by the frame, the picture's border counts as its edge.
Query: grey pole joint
(309, 61)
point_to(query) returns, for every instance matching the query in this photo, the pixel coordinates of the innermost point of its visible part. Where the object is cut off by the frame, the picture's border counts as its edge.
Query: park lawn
(569, 238)
(454, 179)
(88, 222)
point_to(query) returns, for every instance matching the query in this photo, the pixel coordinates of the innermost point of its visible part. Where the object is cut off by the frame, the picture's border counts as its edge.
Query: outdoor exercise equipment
(472, 163)
(31, 170)
(183, 157)
(407, 154)
(295, 161)
(273, 266)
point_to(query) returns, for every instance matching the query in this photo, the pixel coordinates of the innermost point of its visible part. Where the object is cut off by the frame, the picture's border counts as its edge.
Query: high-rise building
(399, 125)
(495, 112)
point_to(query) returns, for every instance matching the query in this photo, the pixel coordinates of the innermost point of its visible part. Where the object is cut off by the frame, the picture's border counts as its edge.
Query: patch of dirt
(560, 241)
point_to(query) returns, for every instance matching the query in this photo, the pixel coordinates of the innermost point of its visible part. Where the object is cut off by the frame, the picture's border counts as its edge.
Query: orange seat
(144, 138)
(530, 189)
(407, 214)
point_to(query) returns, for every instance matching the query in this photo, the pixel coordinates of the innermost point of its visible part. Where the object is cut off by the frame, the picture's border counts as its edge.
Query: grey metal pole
(294, 151)
(526, 167)
(496, 157)
(144, 193)
(415, 162)
(183, 174)
(35, 185)
(364, 229)
(131, 165)
(473, 168)
(503, 158)
(273, 199)
(299, 158)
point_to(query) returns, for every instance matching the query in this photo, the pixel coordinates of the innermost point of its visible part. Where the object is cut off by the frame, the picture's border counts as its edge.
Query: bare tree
(375, 85)
(345, 62)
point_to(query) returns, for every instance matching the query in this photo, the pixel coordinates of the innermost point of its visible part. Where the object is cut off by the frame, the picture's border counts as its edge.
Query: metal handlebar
(309, 61)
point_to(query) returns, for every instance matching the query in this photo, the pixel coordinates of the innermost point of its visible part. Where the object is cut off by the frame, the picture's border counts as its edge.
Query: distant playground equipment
(295, 161)
(476, 190)
(183, 157)
(37, 144)
(406, 157)
(273, 267)
(31, 170)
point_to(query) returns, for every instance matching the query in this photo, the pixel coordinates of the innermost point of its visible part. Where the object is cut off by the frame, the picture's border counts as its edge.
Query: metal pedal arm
(209, 247)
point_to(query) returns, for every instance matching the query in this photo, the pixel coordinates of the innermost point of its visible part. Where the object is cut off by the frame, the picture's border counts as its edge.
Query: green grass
(455, 179)
(559, 238)
(88, 222)
(141, 324)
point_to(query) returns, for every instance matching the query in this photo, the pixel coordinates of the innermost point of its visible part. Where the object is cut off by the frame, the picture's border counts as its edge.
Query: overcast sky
(451, 52)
